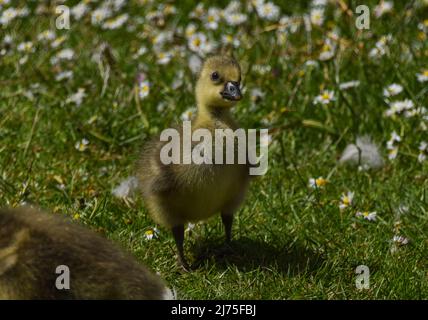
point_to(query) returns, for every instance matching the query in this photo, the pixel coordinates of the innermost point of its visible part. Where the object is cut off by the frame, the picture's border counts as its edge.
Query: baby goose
(33, 244)
(176, 194)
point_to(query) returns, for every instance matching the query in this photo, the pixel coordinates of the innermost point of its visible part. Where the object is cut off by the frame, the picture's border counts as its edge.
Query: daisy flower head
(188, 114)
(392, 90)
(267, 10)
(230, 40)
(99, 15)
(143, 89)
(198, 12)
(164, 57)
(199, 43)
(400, 240)
(317, 16)
(26, 47)
(8, 15)
(46, 35)
(65, 54)
(77, 97)
(81, 145)
(328, 50)
(370, 216)
(316, 183)
(235, 18)
(325, 97)
(381, 47)
(116, 23)
(151, 234)
(212, 18)
(423, 150)
(423, 76)
(398, 107)
(190, 30)
(382, 8)
(79, 10)
(346, 200)
(392, 146)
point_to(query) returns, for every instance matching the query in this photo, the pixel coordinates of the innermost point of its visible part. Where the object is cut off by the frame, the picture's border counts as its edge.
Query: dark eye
(215, 76)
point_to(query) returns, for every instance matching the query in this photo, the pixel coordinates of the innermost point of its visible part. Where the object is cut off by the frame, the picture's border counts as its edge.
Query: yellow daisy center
(320, 182)
(325, 96)
(197, 42)
(346, 200)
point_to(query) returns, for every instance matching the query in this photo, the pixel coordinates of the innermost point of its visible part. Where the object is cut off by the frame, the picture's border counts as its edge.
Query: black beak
(231, 91)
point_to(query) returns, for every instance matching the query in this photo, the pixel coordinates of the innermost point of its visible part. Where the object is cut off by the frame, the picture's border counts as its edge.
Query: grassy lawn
(291, 240)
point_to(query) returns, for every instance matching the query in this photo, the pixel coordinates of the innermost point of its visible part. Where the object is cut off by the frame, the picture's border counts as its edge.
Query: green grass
(290, 241)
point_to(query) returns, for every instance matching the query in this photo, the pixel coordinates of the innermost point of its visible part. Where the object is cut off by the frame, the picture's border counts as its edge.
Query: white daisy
(235, 19)
(144, 89)
(164, 57)
(392, 90)
(151, 233)
(65, 54)
(188, 114)
(316, 183)
(317, 16)
(8, 15)
(212, 18)
(325, 97)
(400, 240)
(230, 40)
(79, 10)
(346, 200)
(199, 43)
(267, 11)
(77, 97)
(26, 47)
(82, 145)
(46, 35)
(116, 23)
(382, 8)
(99, 15)
(423, 76)
(370, 216)
(328, 50)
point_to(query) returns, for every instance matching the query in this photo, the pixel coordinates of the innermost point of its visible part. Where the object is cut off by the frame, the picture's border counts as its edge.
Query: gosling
(176, 194)
(34, 244)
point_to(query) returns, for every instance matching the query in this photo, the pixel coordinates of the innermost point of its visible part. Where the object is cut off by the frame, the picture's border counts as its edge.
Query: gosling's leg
(227, 219)
(178, 233)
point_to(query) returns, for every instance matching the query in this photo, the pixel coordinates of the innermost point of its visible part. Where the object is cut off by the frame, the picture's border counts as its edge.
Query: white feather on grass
(363, 153)
(127, 188)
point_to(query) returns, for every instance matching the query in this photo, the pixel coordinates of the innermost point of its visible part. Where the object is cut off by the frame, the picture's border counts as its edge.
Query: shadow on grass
(248, 254)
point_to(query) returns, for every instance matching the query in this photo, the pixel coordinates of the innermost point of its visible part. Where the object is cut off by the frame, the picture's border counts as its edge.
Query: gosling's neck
(207, 114)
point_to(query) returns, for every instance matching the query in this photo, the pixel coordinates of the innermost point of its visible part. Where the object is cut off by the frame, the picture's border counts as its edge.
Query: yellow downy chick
(176, 194)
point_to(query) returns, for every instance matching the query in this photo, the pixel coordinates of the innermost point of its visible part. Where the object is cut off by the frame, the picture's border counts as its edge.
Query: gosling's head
(219, 82)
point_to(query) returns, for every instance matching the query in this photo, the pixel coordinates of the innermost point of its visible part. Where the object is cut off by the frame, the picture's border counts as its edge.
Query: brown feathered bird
(176, 194)
(33, 244)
